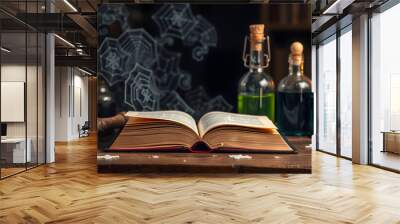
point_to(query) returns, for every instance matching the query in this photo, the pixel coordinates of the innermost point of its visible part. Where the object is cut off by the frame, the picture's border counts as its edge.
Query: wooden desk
(13, 150)
(391, 141)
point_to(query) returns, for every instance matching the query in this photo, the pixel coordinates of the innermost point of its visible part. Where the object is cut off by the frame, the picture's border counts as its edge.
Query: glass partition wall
(22, 87)
(334, 94)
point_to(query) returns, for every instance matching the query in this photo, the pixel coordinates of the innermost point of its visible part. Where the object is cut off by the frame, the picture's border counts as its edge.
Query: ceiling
(75, 21)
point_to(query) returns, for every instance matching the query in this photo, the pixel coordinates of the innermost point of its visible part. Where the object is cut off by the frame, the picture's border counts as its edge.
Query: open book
(215, 131)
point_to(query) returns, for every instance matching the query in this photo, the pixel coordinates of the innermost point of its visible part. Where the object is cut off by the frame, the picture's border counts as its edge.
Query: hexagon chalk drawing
(205, 35)
(141, 92)
(148, 65)
(108, 14)
(176, 20)
(140, 46)
(112, 61)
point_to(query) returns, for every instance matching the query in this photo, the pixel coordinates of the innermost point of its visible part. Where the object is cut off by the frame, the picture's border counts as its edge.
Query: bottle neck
(295, 70)
(256, 60)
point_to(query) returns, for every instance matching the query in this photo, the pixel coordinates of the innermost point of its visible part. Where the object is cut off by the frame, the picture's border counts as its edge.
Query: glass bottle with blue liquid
(295, 99)
(256, 88)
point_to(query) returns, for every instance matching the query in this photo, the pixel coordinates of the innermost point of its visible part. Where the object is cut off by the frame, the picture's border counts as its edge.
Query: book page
(169, 115)
(215, 119)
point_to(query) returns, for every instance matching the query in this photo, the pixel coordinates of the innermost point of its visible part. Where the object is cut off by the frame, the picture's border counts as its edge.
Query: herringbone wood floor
(71, 191)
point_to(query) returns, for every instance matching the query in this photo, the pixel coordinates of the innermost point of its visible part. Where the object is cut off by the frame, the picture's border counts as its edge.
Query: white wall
(61, 103)
(71, 102)
(80, 104)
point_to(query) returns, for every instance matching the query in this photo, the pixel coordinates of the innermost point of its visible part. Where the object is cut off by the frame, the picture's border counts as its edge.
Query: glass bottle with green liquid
(256, 88)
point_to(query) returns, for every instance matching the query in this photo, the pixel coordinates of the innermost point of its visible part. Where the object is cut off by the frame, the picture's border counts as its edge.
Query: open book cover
(215, 132)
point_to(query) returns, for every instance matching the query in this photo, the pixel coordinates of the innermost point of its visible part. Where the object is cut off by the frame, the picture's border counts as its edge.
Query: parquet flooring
(71, 191)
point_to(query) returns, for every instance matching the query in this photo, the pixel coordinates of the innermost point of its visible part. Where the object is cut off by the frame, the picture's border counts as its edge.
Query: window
(327, 96)
(334, 106)
(346, 93)
(385, 89)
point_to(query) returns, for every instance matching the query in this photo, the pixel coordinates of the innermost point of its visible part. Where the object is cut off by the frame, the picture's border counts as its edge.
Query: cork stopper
(297, 53)
(257, 36)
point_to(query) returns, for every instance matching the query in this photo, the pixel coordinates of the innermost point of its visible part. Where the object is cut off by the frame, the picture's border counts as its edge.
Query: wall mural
(185, 57)
(150, 73)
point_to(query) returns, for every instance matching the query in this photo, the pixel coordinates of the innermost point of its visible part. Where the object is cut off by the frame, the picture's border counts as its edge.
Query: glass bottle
(256, 88)
(295, 99)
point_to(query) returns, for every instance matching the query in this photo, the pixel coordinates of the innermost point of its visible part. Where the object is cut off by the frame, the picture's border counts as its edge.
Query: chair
(84, 130)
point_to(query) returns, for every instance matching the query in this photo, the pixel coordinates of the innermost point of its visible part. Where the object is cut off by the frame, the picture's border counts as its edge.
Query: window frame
(336, 36)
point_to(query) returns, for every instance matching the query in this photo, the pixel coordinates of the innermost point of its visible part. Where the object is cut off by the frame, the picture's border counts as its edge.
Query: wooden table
(152, 162)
